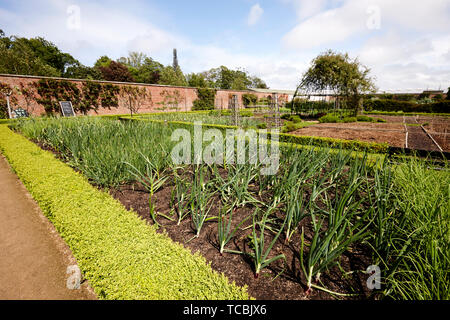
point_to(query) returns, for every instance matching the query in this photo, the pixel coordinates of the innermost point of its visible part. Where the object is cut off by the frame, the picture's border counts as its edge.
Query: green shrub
(365, 119)
(380, 120)
(349, 119)
(205, 100)
(296, 119)
(261, 125)
(407, 106)
(120, 255)
(329, 118)
(249, 99)
(246, 113)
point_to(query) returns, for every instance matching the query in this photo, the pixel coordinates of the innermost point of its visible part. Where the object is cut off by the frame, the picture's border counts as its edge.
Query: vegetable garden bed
(309, 231)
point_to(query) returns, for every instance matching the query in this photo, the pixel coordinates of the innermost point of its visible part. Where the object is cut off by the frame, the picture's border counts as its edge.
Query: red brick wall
(158, 95)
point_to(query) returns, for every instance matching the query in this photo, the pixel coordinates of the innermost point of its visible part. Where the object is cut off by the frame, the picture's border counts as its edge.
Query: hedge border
(120, 255)
(355, 145)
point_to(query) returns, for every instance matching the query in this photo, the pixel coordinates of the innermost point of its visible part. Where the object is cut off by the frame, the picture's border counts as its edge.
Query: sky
(406, 44)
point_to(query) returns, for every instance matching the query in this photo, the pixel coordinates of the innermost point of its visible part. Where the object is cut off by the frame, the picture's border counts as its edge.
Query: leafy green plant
(200, 200)
(327, 245)
(260, 254)
(224, 231)
(329, 119)
(151, 180)
(181, 196)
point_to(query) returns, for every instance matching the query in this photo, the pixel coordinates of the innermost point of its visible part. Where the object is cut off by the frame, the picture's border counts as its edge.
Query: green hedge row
(401, 113)
(406, 106)
(120, 255)
(356, 145)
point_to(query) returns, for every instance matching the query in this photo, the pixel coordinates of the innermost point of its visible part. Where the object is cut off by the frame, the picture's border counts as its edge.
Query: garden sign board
(67, 108)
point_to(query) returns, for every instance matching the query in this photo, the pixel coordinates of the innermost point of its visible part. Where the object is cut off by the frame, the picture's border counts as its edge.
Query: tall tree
(116, 71)
(340, 74)
(172, 77)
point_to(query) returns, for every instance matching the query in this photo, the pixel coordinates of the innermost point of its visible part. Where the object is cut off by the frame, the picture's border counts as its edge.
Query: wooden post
(7, 103)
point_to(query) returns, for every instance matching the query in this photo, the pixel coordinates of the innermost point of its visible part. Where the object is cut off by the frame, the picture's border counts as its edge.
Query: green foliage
(19, 58)
(349, 119)
(225, 78)
(249, 99)
(365, 119)
(407, 106)
(205, 99)
(96, 95)
(120, 255)
(115, 71)
(133, 98)
(196, 80)
(143, 69)
(329, 118)
(52, 91)
(246, 113)
(173, 77)
(340, 74)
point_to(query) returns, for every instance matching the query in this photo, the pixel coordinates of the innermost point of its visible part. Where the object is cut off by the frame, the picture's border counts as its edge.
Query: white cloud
(255, 14)
(411, 49)
(307, 8)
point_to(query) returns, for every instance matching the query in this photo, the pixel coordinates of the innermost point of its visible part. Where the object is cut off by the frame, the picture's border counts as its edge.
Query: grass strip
(120, 255)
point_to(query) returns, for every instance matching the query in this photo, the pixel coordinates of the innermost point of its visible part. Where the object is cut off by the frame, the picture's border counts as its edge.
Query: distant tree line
(39, 57)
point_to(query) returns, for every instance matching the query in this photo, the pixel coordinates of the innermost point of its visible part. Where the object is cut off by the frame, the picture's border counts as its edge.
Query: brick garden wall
(160, 95)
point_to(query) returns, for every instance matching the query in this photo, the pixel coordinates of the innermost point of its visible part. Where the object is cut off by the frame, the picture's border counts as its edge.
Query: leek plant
(331, 240)
(260, 254)
(224, 231)
(151, 180)
(200, 200)
(180, 195)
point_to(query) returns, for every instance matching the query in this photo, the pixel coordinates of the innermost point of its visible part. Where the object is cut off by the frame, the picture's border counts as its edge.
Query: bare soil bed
(282, 280)
(391, 132)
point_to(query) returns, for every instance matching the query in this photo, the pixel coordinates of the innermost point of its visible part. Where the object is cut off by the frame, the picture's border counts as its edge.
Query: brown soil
(33, 257)
(282, 280)
(392, 132)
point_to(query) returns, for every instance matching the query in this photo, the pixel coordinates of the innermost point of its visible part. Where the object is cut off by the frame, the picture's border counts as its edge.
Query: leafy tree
(50, 54)
(134, 59)
(172, 77)
(249, 99)
(224, 78)
(340, 74)
(116, 71)
(258, 83)
(133, 98)
(103, 61)
(196, 80)
(205, 99)
(80, 71)
(18, 58)
(448, 94)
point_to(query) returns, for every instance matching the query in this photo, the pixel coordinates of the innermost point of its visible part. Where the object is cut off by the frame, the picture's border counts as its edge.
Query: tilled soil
(391, 132)
(282, 280)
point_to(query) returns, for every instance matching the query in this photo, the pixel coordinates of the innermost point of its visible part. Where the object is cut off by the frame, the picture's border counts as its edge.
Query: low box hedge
(120, 255)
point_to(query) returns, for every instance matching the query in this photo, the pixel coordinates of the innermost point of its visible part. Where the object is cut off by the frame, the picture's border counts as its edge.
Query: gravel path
(33, 257)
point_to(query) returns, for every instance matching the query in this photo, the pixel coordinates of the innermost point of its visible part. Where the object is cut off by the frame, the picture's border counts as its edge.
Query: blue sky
(405, 43)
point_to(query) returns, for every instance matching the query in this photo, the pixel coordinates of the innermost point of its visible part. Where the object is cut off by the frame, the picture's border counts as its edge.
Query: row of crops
(322, 202)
